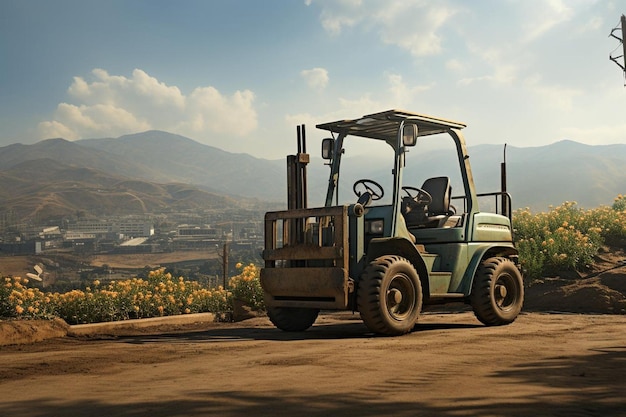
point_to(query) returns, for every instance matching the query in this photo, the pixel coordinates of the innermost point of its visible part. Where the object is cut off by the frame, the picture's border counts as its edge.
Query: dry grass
(15, 265)
(129, 261)
(20, 265)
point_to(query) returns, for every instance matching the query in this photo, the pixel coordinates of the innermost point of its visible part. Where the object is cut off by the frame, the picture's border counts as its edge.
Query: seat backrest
(439, 189)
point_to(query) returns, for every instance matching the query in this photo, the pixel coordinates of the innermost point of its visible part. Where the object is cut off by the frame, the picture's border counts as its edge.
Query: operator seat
(439, 189)
(438, 212)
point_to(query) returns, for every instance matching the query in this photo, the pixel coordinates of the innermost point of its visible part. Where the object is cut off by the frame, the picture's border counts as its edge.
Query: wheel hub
(501, 291)
(394, 297)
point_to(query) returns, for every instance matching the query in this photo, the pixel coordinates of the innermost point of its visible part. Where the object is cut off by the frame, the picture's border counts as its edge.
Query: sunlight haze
(240, 75)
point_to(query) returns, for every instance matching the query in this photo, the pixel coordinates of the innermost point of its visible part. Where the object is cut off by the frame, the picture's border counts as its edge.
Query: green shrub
(566, 237)
(246, 286)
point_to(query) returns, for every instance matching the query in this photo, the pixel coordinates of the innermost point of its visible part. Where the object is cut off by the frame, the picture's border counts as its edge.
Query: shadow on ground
(351, 329)
(580, 379)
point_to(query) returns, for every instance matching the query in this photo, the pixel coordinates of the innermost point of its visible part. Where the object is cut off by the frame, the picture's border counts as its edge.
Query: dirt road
(541, 365)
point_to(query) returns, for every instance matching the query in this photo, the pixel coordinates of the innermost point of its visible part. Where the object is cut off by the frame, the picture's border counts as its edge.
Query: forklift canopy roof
(385, 125)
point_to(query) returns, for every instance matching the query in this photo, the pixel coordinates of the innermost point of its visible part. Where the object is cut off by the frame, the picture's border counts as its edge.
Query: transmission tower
(621, 59)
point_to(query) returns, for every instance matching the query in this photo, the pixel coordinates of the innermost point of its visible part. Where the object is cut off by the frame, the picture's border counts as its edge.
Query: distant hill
(44, 189)
(538, 177)
(72, 154)
(549, 175)
(156, 170)
(169, 157)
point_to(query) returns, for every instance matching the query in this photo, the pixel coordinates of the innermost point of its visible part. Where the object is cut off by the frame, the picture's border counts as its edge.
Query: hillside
(45, 189)
(551, 174)
(537, 176)
(180, 159)
(127, 174)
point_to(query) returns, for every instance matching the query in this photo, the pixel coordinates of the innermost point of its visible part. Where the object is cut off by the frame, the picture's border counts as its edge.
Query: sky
(240, 75)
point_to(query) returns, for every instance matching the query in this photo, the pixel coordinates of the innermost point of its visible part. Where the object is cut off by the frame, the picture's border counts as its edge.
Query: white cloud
(112, 105)
(593, 24)
(401, 94)
(54, 129)
(211, 112)
(553, 97)
(546, 15)
(307, 119)
(502, 65)
(316, 78)
(398, 95)
(455, 65)
(343, 109)
(339, 14)
(413, 26)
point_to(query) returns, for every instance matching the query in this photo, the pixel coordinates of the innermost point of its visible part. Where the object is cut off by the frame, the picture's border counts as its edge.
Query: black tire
(497, 292)
(292, 319)
(389, 296)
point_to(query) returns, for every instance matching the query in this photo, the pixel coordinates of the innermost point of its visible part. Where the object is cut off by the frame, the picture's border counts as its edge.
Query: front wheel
(389, 296)
(498, 292)
(292, 319)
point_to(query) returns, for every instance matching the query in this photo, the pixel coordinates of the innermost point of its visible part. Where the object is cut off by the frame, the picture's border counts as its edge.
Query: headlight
(375, 227)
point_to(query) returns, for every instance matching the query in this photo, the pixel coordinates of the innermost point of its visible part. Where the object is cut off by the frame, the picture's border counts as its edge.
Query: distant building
(196, 237)
(70, 235)
(50, 233)
(199, 231)
(96, 227)
(125, 227)
(131, 228)
(20, 248)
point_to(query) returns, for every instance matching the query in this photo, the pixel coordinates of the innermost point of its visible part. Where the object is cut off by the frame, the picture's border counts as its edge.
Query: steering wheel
(373, 188)
(420, 197)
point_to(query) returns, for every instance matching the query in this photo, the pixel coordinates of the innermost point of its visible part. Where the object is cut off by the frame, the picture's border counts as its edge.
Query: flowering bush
(620, 203)
(566, 237)
(247, 287)
(158, 295)
(18, 300)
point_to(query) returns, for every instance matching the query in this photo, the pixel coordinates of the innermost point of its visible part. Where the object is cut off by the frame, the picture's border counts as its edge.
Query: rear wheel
(292, 319)
(498, 292)
(389, 296)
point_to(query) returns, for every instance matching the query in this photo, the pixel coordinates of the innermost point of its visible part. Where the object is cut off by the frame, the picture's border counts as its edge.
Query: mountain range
(159, 171)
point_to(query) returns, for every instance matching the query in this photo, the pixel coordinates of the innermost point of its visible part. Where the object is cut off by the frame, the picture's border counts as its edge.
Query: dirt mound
(614, 280)
(18, 332)
(602, 290)
(593, 295)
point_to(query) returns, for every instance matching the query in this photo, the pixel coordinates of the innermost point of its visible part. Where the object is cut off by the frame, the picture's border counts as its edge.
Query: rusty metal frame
(385, 125)
(300, 249)
(312, 275)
